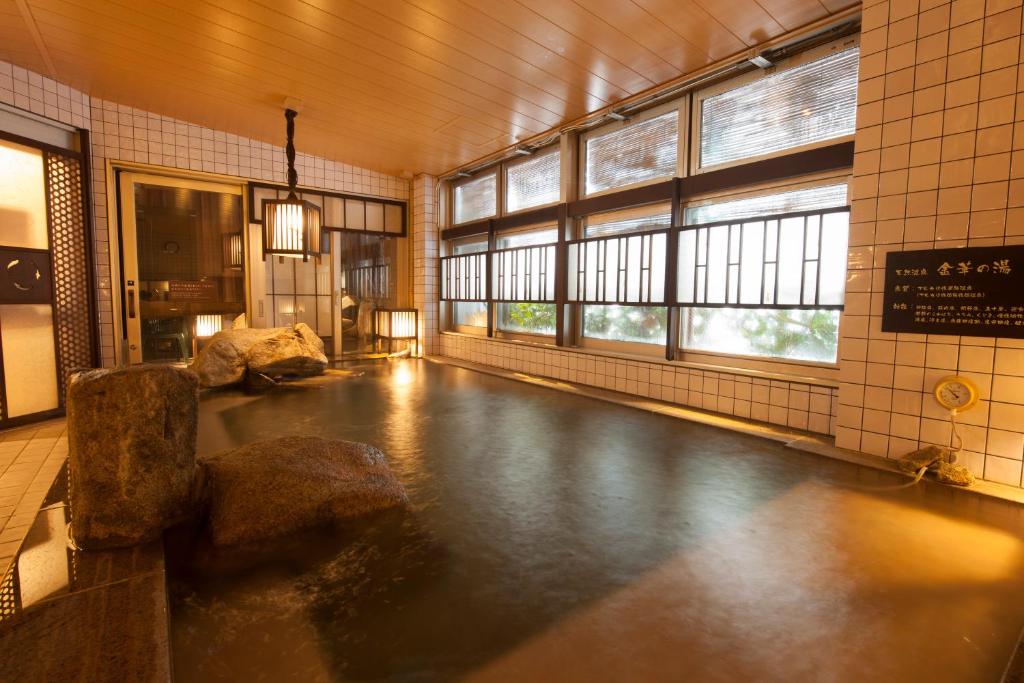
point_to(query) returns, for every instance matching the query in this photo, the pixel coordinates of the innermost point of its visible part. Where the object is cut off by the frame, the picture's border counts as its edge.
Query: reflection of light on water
(402, 376)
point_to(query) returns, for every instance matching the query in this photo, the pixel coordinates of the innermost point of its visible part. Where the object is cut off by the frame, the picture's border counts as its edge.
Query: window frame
(632, 348)
(695, 128)
(681, 105)
(498, 195)
(453, 325)
(555, 150)
(499, 333)
(571, 149)
(828, 370)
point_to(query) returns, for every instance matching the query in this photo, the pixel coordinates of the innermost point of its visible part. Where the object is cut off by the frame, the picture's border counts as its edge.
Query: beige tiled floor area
(30, 458)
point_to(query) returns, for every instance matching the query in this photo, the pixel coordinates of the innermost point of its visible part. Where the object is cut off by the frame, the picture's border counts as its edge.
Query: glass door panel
(368, 267)
(29, 360)
(183, 250)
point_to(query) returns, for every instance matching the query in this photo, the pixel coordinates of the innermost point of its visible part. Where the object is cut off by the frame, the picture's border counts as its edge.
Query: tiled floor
(30, 458)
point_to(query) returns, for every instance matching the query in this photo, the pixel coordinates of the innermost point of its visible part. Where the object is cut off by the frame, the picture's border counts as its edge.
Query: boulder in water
(274, 352)
(273, 488)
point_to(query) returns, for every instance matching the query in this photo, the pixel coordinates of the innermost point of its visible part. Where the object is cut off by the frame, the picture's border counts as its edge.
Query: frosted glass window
(533, 182)
(22, 197)
(476, 199)
(374, 217)
(30, 363)
(334, 212)
(810, 103)
(658, 217)
(524, 269)
(794, 334)
(808, 199)
(355, 214)
(525, 239)
(639, 324)
(471, 313)
(632, 154)
(392, 218)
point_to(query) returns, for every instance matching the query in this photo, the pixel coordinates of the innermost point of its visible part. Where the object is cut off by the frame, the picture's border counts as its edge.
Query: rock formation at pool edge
(273, 352)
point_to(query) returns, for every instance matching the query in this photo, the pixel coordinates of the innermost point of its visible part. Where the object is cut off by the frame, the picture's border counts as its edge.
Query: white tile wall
(121, 133)
(791, 404)
(939, 163)
(426, 273)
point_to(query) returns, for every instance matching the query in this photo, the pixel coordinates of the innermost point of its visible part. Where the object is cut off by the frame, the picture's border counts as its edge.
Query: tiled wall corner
(426, 274)
(939, 163)
(790, 404)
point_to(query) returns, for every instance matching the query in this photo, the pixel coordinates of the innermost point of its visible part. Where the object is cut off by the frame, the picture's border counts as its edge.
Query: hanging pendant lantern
(291, 226)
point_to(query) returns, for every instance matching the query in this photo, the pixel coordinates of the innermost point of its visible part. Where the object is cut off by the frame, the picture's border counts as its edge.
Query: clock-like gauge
(956, 393)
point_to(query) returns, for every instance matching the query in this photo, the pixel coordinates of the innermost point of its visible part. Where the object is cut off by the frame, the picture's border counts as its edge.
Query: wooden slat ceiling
(391, 85)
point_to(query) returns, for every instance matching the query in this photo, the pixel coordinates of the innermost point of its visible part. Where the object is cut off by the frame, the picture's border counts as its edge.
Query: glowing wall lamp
(291, 226)
(395, 324)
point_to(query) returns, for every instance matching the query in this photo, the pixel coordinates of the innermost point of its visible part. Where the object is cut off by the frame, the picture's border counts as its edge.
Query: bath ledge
(634, 358)
(796, 439)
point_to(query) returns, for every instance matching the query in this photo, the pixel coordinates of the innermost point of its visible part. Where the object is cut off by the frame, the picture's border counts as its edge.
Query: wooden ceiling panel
(16, 44)
(794, 13)
(391, 85)
(747, 20)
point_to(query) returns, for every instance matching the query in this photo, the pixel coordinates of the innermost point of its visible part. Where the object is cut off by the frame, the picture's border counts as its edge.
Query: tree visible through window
(798, 334)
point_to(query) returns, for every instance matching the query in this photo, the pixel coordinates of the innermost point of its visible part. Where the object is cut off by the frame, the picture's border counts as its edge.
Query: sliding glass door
(184, 261)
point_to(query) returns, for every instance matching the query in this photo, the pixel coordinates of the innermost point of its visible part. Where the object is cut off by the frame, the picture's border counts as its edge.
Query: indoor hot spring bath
(554, 537)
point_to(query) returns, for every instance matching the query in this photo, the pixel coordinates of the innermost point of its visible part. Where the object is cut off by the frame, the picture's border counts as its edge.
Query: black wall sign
(972, 292)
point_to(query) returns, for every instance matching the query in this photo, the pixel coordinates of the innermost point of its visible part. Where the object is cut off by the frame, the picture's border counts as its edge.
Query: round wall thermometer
(956, 393)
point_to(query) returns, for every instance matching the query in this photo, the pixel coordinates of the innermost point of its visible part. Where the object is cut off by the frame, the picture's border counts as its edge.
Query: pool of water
(556, 537)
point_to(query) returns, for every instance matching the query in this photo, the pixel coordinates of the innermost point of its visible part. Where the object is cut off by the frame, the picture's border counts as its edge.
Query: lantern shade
(208, 325)
(291, 227)
(234, 251)
(396, 323)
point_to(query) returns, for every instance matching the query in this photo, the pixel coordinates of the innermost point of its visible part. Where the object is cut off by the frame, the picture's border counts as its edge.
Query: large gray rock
(132, 444)
(275, 352)
(273, 488)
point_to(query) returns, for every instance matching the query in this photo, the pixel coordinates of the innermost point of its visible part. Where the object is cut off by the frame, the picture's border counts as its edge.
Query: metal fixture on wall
(291, 226)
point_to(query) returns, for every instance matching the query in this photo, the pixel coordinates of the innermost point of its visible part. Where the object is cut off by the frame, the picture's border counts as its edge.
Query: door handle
(131, 303)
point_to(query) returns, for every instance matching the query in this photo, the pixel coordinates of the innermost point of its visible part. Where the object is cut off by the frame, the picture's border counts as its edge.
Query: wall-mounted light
(522, 151)
(234, 251)
(617, 116)
(291, 226)
(395, 324)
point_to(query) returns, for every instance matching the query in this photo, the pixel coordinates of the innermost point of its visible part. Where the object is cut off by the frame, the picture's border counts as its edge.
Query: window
(529, 317)
(657, 217)
(470, 313)
(758, 260)
(795, 334)
(642, 324)
(533, 182)
(821, 197)
(622, 259)
(806, 104)
(634, 153)
(476, 199)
